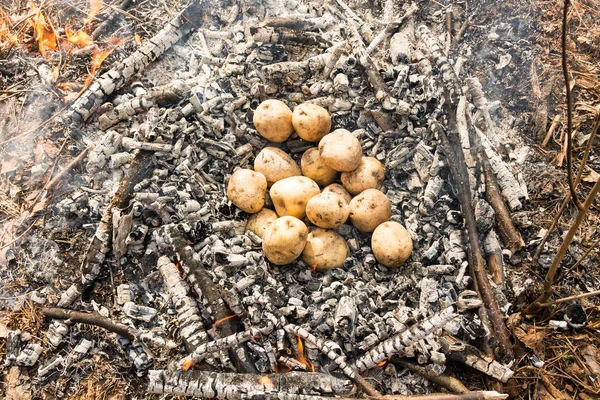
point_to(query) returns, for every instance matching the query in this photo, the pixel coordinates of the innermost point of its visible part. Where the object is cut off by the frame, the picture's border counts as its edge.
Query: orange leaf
(95, 6)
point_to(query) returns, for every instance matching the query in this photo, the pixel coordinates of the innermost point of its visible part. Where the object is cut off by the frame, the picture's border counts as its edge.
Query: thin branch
(578, 262)
(571, 298)
(565, 67)
(90, 319)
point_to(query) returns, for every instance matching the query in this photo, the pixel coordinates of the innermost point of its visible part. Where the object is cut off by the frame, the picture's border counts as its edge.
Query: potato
(290, 195)
(325, 250)
(313, 167)
(391, 244)
(368, 175)
(339, 189)
(273, 120)
(258, 222)
(369, 209)
(327, 210)
(284, 240)
(275, 164)
(340, 150)
(247, 190)
(311, 122)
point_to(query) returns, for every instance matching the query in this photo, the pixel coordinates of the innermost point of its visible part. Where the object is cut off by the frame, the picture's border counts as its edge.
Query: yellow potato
(340, 150)
(284, 240)
(247, 190)
(391, 244)
(290, 195)
(327, 210)
(368, 175)
(369, 209)
(273, 120)
(314, 168)
(339, 189)
(311, 122)
(325, 250)
(258, 222)
(275, 164)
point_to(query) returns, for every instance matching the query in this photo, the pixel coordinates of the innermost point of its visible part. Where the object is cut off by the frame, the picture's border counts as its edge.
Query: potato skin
(313, 167)
(275, 164)
(258, 222)
(247, 190)
(340, 150)
(391, 244)
(327, 210)
(339, 189)
(290, 195)
(368, 175)
(369, 209)
(325, 250)
(273, 120)
(284, 240)
(311, 122)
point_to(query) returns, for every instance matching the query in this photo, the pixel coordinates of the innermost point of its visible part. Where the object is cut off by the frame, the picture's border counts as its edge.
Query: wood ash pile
(187, 299)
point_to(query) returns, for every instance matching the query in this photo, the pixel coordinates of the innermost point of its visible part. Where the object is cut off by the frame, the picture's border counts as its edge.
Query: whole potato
(290, 195)
(339, 189)
(311, 122)
(273, 120)
(368, 175)
(391, 244)
(284, 240)
(369, 209)
(247, 190)
(340, 150)
(327, 210)
(275, 164)
(258, 222)
(314, 168)
(325, 250)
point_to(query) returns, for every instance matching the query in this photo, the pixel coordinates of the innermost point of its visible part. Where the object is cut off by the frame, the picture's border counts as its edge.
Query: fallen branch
(211, 385)
(451, 146)
(447, 381)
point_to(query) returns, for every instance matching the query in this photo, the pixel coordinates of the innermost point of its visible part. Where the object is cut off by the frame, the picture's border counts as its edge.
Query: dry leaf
(531, 337)
(590, 175)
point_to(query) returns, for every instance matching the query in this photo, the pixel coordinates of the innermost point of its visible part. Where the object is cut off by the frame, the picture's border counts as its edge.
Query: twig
(571, 298)
(565, 67)
(549, 281)
(475, 258)
(551, 130)
(447, 381)
(90, 319)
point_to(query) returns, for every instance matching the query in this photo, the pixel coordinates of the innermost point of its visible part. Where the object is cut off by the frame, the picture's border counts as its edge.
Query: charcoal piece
(29, 355)
(13, 346)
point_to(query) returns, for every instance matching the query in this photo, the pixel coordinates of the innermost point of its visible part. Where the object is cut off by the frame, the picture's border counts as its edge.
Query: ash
(172, 261)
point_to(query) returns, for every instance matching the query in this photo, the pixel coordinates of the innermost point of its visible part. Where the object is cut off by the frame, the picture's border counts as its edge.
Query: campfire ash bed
(187, 303)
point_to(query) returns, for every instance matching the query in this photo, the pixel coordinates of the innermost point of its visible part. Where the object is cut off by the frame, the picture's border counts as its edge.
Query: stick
(510, 235)
(475, 258)
(565, 68)
(549, 281)
(90, 319)
(551, 130)
(570, 298)
(449, 382)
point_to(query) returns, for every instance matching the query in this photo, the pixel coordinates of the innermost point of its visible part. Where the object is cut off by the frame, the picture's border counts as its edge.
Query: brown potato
(327, 210)
(275, 164)
(258, 222)
(340, 150)
(273, 120)
(314, 168)
(339, 189)
(311, 122)
(368, 175)
(325, 250)
(369, 209)
(290, 195)
(247, 190)
(391, 244)
(284, 240)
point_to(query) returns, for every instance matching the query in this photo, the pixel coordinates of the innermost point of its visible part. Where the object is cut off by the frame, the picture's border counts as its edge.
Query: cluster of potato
(295, 192)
